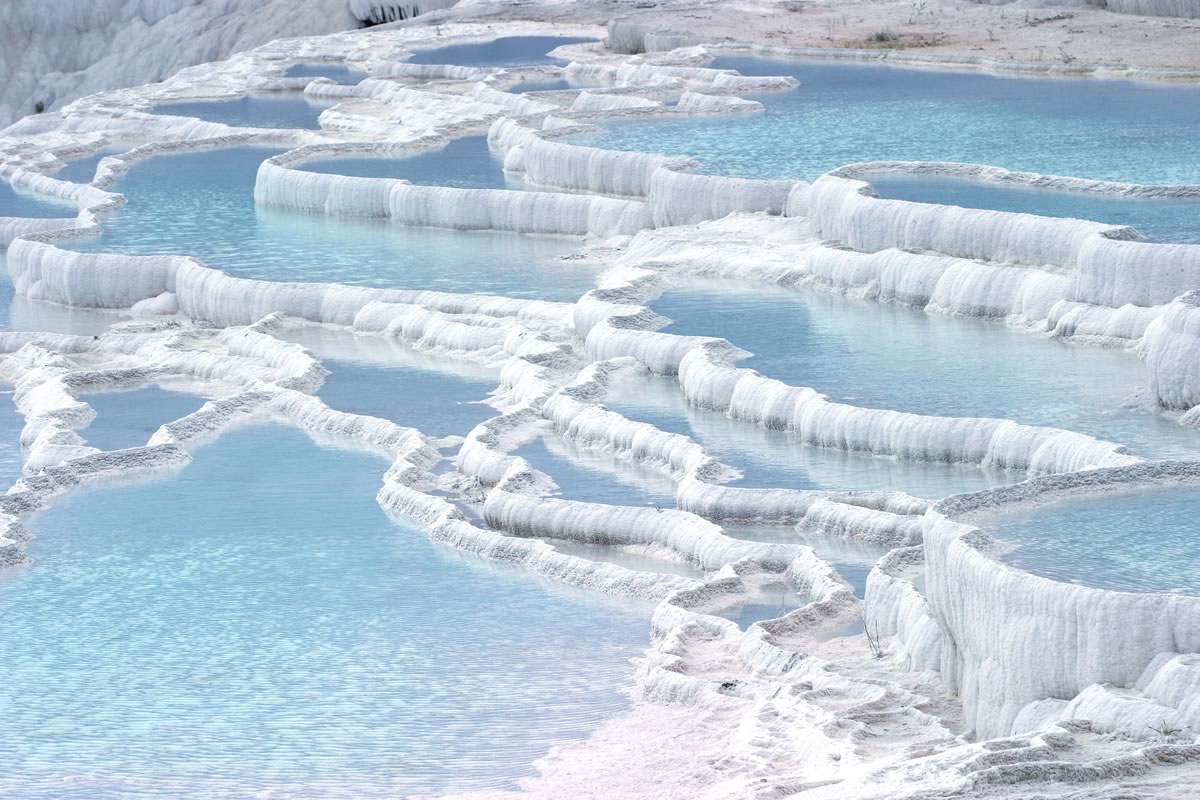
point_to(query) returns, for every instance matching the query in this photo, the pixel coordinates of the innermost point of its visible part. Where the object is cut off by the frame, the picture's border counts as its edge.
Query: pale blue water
(771, 602)
(339, 73)
(130, 418)
(378, 377)
(885, 356)
(11, 424)
(83, 170)
(507, 51)
(23, 314)
(1157, 220)
(844, 113)
(852, 560)
(293, 641)
(260, 111)
(21, 203)
(592, 477)
(1141, 541)
(778, 459)
(560, 85)
(465, 162)
(202, 204)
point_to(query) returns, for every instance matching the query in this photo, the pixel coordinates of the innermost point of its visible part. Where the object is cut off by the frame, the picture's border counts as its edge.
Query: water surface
(256, 624)
(260, 111)
(507, 51)
(1142, 541)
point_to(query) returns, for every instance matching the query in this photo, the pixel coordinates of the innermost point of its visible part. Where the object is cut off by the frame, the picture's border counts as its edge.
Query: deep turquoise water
(130, 418)
(262, 111)
(20, 203)
(1137, 541)
(299, 643)
(339, 73)
(885, 356)
(1159, 220)
(202, 204)
(465, 162)
(777, 459)
(845, 113)
(507, 51)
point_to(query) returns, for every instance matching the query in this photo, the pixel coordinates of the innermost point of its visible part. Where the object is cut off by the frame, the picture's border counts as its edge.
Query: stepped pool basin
(202, 205)
(260, 111)
(338, 73)
(1156, 219)
(1135, 541)
(378, 377)
(887, 356)
(21, 203)
(255, 624)
(779, 459)
(23, 314)
(852, 560)
(11, 423)
(129, 418)
(847, 113)
(595, 477)
(506, 51)
(83, 170)
(465, 162)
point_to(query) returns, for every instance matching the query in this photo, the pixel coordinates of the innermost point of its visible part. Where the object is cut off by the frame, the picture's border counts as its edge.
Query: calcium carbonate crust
(805, 694)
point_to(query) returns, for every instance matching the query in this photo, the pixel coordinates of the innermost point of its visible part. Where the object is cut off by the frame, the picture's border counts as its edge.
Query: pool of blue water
(560, 85)
(339, 73)
(627, 557)
(83, 170)
(256, 626)
(852, 560)
(884, 356)
(21, 203)
(130, 418)
(202, 204)
(1157, 220)
(465, 162)
(769, 602)
(845, 113)
(265, 111)
(507, 51)
(1139, 541)
(23, 314)
(592, 477)
(778, 459)
(379, 377)
(11, 424)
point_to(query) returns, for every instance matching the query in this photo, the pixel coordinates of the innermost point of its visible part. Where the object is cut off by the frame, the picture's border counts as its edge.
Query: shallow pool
(83, 170)
(465, 162)
(594, 477)
(260, 111)
(1139, 541)
(256, 625)
(1157, 220)
(21, 203)
(130, 418)
(507, 51)
(886, 356)
(380, 377)
(845, 113)
(11, 424)
(852, 560)
(202, 204)
(778, 459)
(338, 73)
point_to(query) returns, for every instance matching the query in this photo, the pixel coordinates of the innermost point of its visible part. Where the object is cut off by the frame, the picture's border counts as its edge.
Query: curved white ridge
(593, 101)
(684, 198)
(281, 186)
(1171, 350)
(1012, 638)
(1109, 267)
(700, 103)
(576, 167)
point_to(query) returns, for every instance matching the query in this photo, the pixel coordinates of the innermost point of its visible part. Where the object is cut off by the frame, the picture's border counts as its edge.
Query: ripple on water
(256, 623)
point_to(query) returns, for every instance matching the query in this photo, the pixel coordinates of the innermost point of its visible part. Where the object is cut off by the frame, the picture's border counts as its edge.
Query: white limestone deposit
(952, 674)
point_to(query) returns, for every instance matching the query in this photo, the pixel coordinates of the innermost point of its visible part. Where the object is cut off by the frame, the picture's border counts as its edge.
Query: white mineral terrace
(972, 677)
